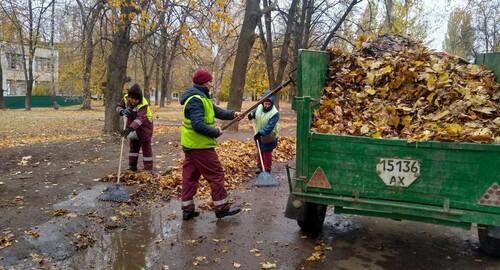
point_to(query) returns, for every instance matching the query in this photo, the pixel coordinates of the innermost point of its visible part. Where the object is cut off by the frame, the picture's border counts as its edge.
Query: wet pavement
(157, 238)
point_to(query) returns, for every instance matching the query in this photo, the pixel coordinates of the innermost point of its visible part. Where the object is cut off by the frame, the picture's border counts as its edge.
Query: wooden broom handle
(275, 90)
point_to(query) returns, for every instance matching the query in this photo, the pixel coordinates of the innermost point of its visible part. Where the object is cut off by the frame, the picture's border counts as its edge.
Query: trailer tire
(312, 219)
(488, 244)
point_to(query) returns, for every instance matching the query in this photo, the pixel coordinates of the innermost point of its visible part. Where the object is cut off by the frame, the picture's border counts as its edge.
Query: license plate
(398, 172)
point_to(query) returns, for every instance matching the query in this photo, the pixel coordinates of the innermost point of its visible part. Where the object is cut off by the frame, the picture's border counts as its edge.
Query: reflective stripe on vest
(262, 118)
(189, 137)
(144, 102)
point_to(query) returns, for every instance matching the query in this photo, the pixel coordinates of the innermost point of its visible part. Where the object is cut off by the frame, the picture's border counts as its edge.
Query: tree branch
(339, 23)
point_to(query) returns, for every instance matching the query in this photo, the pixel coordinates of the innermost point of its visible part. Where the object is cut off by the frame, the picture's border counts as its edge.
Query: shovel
(116, 192)
(264, 179)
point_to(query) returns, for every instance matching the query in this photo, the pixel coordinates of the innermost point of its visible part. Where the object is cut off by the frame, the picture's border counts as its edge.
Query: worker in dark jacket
(139, 127)
(266, 117)
(198, 140)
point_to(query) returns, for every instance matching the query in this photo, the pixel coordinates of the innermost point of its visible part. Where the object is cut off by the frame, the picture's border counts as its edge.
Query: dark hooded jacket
(270, 125)
(195, 112)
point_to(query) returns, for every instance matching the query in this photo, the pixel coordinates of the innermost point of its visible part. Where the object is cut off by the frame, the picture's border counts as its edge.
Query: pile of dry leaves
(394, 87)
(238, 159)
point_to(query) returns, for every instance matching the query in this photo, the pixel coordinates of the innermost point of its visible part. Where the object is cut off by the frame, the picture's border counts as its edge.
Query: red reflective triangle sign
(492, 196)
(319, 180)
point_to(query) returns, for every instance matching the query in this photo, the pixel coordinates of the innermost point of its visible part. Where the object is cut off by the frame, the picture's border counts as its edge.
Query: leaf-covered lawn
(41, 125)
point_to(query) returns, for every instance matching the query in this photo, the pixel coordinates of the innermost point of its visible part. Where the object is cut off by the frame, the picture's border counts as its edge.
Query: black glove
(126, 131)
(250, 116)
(125, 112)
(257, 136)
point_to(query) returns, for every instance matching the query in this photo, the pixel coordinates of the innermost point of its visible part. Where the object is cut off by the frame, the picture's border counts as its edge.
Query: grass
(19, 127)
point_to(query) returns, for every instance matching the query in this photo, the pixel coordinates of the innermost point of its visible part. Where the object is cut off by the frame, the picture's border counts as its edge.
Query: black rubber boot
(228, 212)
(187, 215)
(132, 168)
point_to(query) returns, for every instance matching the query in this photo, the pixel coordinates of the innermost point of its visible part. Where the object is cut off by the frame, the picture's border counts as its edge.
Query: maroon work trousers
(267, 158)
(147, 154)
(204, 162)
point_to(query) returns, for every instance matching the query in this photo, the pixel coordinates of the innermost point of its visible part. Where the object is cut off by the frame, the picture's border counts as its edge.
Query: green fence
(17, 102)
(491, 60)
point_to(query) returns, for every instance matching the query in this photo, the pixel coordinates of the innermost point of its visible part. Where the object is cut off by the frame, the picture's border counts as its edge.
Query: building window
(16, 88)
(43, 64)
(14, 61)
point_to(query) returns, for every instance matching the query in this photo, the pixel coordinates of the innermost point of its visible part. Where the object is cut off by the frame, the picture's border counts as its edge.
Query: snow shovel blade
(265, 179)
(115, 193)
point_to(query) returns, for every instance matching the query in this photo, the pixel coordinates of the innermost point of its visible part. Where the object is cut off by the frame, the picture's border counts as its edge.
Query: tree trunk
(245, 44)
(2, 103)
(267, 42)
(52, 61)
(168, 75)
(307, 24)
(286, 44)
(147, 93)
(116, 75)
(87, 71)
(388, 16)
(157, 82)
(29, 82)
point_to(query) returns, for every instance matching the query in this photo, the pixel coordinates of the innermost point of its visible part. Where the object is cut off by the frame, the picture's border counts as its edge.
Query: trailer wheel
(312, 220)
(488, 244)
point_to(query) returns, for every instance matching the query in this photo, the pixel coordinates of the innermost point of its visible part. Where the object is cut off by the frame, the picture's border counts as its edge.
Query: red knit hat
(202, 76)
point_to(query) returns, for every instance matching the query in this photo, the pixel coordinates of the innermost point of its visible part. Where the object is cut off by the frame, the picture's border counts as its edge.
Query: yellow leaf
(430, 97)
(443, 77)
(236, 265)
(406, 120)
(431, 81)
(377, 135)
(386, 70)
(370, 90)
(268, 265)
(370, 77)
(453, 129)
(418, 63)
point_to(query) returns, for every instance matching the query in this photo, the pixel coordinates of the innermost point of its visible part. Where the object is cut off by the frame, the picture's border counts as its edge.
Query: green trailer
(455, 184)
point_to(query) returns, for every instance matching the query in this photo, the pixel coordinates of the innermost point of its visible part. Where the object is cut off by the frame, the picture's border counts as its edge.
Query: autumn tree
(459, 38)
(124, 15)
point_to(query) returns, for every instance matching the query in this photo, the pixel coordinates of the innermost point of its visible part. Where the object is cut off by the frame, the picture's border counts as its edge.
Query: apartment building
(14, 82)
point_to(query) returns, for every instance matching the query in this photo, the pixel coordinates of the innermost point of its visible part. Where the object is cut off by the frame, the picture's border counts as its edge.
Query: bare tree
(89, 17)
(340, 21)
(27, 21)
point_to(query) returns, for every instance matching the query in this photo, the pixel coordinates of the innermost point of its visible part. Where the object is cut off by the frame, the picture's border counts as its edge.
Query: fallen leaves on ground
(6, 240)
(199, 259)
(166, 129)
(82, 240)
(237, 159)
(395, 87)
(32, 233)
(24, 161)
(268, 265)
(319, 252)
(60, 212)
